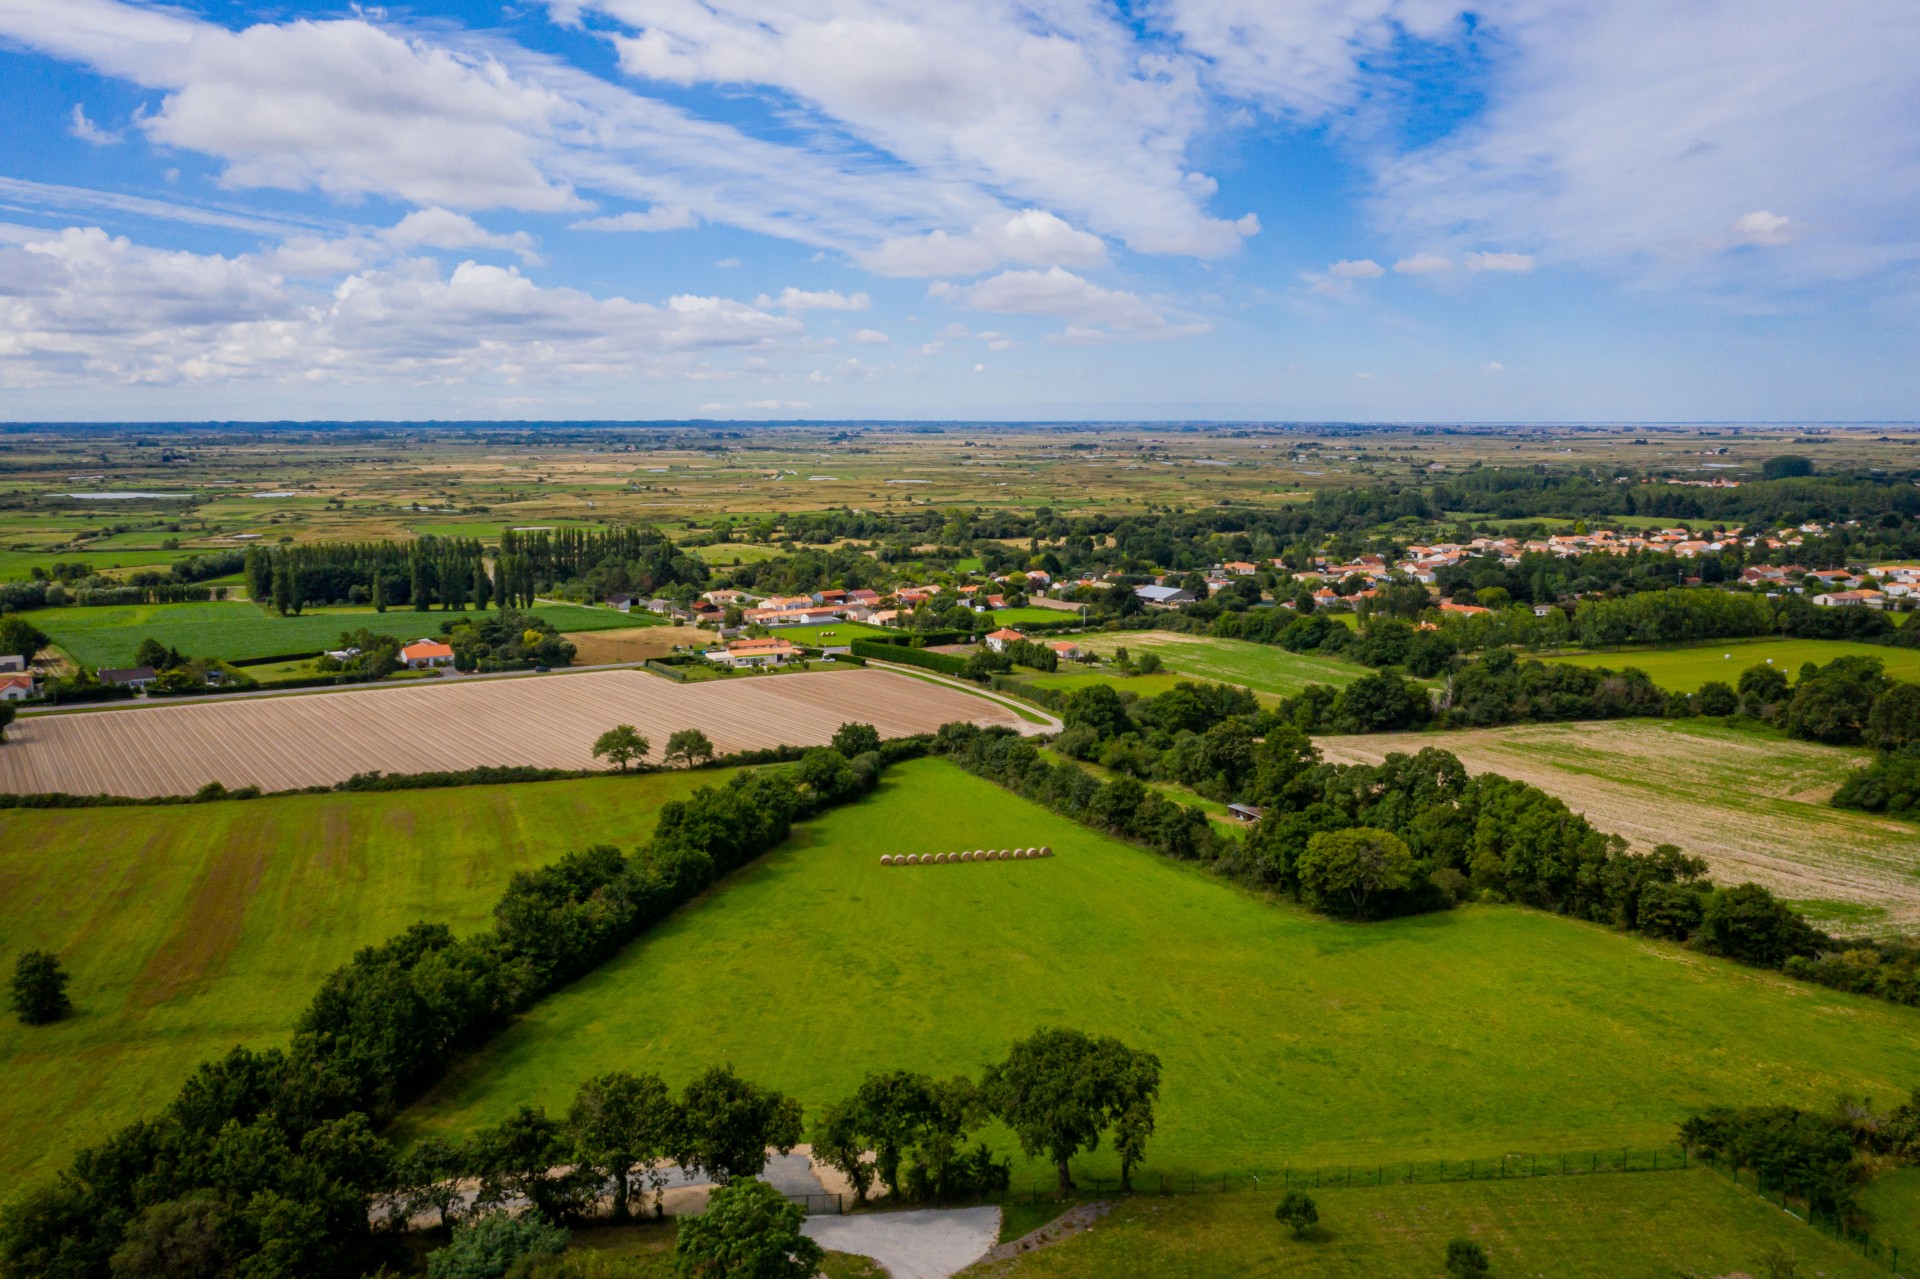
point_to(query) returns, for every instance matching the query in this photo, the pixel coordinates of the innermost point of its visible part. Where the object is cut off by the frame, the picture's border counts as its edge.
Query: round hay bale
(981, 852)
(908, 860)
(966, 857)
(1046, 850)
(886, 859)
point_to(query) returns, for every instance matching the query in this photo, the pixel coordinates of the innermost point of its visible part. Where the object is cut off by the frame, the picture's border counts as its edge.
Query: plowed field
(282, 743)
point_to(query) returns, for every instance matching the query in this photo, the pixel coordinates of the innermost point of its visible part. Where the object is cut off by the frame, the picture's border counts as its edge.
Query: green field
(1264, 668)
(1683, 669)
(1071, 676)
(1613, 1226)
(828, 633)
(234, 630)
(189, 930)
(1892, 1200)
(1286, 1038)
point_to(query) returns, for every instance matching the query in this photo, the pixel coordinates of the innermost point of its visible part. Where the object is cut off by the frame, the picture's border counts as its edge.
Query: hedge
(945, 663)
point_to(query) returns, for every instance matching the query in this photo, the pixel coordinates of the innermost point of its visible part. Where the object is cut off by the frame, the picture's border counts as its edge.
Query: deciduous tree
(749, 1231)
(622, 745)
(39, 990)
(689, 746)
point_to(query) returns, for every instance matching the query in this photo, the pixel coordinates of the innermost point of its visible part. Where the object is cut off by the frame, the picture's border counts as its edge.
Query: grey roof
(128, 675)
(1161, 594)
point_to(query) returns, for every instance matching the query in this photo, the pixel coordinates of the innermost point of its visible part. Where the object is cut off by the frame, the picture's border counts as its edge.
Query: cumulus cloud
(661, 217)
(81, 307)
(1032, 237)
(870, 337)
(1095, 313)
(1362, 269)
(1424, 264)
(1763, 228)
(441, 229)
(87, 131)
(1516, 263)
(792, 299)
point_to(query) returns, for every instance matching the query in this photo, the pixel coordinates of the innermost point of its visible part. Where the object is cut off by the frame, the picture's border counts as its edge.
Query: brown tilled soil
(549, 721)
(634, 644)
(1753, 806)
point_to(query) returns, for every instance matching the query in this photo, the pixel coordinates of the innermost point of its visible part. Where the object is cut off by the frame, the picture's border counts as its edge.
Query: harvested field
(1753, 806)
(283, 743)
(633, 643)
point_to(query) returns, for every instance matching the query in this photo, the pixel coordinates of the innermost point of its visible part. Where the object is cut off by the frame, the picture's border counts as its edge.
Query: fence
(661, 668)
(1877, 1251)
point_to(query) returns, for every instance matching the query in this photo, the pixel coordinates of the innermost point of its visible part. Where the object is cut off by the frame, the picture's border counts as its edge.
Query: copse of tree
(1059, 1090)
(855, 739)
(1803, 1153)
(1344, 871)
(21, 638)
(916, 1127)
(38, 992)
(622, 745)
(1786, 466)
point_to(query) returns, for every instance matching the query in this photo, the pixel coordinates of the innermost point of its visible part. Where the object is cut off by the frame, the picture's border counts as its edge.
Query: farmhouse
(741, 654)
(1066, 650)
(129, 677)
(423, 653)
(1853, 599)
(998, 640)
(15, 688)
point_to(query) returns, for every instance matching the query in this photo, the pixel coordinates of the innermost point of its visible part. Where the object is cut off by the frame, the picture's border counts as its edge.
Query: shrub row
(945, 663)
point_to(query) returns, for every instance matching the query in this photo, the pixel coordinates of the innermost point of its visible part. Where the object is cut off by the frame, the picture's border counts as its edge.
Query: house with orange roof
(424, 653)
(999, 640)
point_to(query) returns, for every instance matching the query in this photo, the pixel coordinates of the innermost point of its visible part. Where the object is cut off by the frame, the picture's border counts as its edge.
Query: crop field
(1264, 668)
(826, 633)
(633, 643)
(1685, 669)
(191, 929)
(547, 721)
(1753, 805)
(1286, 1038)
(1614, 1226)
(233, 630)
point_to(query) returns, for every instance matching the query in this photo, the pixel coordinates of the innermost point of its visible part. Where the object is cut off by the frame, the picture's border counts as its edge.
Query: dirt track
(281, 743)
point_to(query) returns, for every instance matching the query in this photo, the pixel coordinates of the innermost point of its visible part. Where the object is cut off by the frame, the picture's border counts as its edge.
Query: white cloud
(1763, 228)
(728, 264)
(87, 131)
(1060, 104)
(756, 406)
(441, 229)
(870, 337)
(1517, 263)
(78, 307)
(1362, 269)
(1493, 366)
(979, 368)
(1032, 237)
(1060, 293)
(1424, 264)
(792, 299)
(661, 217)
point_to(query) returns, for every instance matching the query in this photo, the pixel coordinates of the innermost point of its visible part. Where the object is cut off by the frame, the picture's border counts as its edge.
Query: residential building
(129, 677)
(771, 651)
(15, 688)
(424, 653)
(1000, 639)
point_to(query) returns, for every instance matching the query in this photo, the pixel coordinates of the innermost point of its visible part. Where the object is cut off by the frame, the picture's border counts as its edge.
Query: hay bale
(1046, 850)
(886, 859)
(966, 857)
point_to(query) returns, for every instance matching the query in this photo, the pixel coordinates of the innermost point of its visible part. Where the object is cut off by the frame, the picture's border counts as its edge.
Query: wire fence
(1878, 1251)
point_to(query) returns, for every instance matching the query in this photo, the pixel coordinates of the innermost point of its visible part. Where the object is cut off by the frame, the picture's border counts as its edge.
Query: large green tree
(621, 745)
(39, 989)
(726, 1125)
(620, 1124)
(1059, 1089)
(749, 1231)
(21, 638)
(689, 746)
(1344, 871)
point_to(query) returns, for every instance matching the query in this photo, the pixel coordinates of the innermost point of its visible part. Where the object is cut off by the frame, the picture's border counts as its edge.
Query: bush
(749, 1231)
(39, 990)
(1466, 1259)
(487, 1248)
(1298, 1211)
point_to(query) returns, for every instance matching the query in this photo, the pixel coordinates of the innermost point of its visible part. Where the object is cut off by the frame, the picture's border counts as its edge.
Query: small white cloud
(1085, 305)
(792, 299)
(979, 368)
(1517, 263)
(661, 217)
(438, 228)
(1033, 237)
(756, 406)
(1423, 264)
(727, 264)
(1763, 228)
(817, 378)
(933, 348)
(1356, 269)
(870, 337)
(1363, 377)
(87, 131)
(1493, 366)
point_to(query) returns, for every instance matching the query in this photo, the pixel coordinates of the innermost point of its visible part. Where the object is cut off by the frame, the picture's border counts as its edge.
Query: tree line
(449, 572)
(285, 1142)
(636, 558)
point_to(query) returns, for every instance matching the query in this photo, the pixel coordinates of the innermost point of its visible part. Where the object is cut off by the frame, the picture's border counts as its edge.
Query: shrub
(39, 991)
(1466, 1259)
(1298, 1211)
(487, 1248)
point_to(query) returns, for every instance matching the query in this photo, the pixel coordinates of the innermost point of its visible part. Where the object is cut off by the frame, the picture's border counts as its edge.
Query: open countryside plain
(1286, 1038)
(1264, 668)
(1684, 668)
(284, 743)
(1753, 805)
(191, 929)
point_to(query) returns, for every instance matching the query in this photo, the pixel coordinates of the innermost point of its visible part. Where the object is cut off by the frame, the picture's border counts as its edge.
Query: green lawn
(18, 566)
(1892, 1200)
(1286, 1038)
(232, 629)
(1613, 1226)
(1071, 676)
(829, 633)
(188, 930)
(1683, 669)
(1264, 668)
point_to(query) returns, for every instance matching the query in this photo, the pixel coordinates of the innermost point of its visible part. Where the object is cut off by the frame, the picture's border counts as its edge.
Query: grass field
(1752, 804)
(1623, 1226)
(1286, 1038)
(1070, 677)
(1892, 1199)
(539, 721)
(190, 930)
(1264, 668)
(231, 629)
(827, 633)
(1685, 669)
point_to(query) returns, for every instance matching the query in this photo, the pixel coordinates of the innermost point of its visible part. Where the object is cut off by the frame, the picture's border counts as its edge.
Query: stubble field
(551, 721)
(1753, 805)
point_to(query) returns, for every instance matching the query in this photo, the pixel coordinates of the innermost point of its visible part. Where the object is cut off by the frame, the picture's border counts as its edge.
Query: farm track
(285, 743)
(1753, 806)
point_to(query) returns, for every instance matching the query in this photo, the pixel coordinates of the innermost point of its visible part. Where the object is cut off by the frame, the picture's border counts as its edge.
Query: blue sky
(1353, 209)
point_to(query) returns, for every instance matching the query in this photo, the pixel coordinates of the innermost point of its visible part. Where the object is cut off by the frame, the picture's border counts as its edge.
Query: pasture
(1264, 668)
(191, 929)
(542, 721)
(1286, 1038)
(1683, 669)
(1613, 1226)
(233, 630)
(1752, 804)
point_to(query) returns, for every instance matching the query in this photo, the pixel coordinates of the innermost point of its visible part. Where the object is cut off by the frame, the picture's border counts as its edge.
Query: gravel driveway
(927, 1244)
